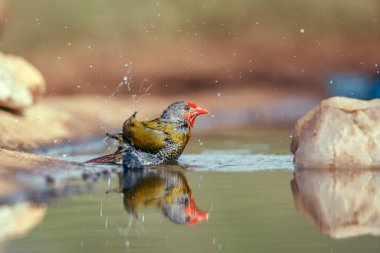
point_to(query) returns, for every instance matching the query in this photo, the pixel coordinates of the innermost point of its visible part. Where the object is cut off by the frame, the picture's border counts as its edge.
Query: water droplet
(69, 43)
(302, 30)
(91, 66)
(331, 81)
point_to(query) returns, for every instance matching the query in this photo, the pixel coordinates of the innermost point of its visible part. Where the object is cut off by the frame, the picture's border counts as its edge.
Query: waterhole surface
(243, 182)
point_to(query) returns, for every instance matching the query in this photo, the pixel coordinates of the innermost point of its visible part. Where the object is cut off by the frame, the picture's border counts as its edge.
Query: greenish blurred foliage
(88, 43)
(46, 23)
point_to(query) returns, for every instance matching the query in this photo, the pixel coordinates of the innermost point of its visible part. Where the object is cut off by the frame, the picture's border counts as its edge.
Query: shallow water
(244, 186)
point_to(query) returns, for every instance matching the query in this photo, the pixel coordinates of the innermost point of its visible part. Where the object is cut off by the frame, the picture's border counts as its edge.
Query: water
(246, 189)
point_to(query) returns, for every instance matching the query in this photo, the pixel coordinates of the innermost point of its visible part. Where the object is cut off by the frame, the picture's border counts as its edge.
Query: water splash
(136, 94)
(126, 81)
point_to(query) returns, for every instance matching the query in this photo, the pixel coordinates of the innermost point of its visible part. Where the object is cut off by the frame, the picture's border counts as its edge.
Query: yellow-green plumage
(153, 136)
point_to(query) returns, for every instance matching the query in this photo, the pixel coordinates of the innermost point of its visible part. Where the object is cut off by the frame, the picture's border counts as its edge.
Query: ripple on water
(224, 161)
(236, 160)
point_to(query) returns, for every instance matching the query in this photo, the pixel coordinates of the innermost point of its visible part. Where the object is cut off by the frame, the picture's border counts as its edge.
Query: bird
(156, 141)
(167, 189)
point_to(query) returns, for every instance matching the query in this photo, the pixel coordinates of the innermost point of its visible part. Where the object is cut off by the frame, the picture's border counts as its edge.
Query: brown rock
(339, 133)
(20, 83)
(340, 203)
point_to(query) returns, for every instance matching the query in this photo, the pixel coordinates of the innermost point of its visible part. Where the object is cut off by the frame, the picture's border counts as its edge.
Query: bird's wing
(146, 136)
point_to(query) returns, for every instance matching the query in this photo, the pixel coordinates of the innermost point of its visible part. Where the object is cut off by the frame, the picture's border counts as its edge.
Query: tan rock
(339, 133)
(57, 120)
(20, 83)
(18, 219)
(340, 203)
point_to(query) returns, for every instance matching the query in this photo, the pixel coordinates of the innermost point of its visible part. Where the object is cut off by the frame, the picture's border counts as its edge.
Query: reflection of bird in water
(162, 188)
(156, 141)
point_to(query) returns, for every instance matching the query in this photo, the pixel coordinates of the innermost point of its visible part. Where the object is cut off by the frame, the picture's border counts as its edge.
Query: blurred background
(262, 50)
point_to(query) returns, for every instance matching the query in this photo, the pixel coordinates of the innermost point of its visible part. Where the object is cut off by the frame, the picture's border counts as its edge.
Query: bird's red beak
(196, 215)
(197, 111)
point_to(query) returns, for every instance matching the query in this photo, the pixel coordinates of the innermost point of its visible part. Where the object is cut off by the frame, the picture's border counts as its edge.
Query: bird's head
(182, 111)
(184, 211)
(193, 214)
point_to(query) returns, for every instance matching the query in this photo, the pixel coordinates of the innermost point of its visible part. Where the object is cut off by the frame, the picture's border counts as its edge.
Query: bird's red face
(192, 111)
(194, 214)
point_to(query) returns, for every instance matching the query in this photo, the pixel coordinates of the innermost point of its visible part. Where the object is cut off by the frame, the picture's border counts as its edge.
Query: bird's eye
(186, 201)
(187, 108)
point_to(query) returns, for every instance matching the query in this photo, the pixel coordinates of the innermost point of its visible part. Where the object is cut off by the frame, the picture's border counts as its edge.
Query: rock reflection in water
(16, 220)
(341, 203)
(162, 187)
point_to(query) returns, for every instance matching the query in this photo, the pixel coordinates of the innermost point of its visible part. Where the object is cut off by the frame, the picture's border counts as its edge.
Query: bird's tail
(115, 158)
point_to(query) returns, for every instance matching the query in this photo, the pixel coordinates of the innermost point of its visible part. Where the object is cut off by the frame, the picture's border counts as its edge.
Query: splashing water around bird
(136, 94)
